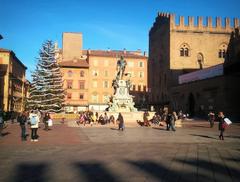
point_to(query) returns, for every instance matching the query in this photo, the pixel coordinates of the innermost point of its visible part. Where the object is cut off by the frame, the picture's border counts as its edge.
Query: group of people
(163, 116)
(32, 118)
(88, 117)
(221, 122)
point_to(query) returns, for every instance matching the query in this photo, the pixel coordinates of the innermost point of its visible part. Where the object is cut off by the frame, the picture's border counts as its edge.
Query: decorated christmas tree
(46, 92)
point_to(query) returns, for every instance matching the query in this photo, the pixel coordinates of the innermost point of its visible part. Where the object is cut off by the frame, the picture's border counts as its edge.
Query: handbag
(224, 125)
(50, 123)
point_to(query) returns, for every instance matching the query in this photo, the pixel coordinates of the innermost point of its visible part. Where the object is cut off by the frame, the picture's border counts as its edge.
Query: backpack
(33, 120)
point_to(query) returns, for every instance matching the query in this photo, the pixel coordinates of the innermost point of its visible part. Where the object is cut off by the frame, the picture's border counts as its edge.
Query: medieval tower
(178, 48)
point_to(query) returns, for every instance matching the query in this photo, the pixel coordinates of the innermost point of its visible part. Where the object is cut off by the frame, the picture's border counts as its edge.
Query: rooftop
(77, 63)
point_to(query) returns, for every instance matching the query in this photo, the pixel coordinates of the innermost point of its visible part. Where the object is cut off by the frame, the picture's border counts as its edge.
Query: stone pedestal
(121, 100)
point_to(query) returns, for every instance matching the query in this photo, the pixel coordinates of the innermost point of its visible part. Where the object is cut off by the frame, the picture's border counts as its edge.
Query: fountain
(121, 101)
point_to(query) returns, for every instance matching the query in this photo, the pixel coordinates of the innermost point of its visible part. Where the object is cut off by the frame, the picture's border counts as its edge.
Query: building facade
(88, 74)
(179, 48)
(215, 88)
(13, 85)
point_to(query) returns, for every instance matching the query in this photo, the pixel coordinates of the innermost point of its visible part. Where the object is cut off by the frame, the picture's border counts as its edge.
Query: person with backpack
(22, 119)
(34, 120)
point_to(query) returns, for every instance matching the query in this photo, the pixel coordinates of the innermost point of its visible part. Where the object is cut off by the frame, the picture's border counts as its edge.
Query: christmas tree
(46, 92)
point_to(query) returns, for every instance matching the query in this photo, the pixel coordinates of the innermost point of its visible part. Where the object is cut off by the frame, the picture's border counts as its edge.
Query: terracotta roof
(4, 50)
(115, 53)
(77, 63)
(14, 56)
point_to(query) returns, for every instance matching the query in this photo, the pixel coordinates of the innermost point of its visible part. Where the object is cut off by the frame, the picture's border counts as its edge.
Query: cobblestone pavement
(102, 153)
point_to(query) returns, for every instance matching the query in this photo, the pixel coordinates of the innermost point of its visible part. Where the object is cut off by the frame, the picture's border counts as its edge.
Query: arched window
(184, 50)
(200, 60)
(222, 50)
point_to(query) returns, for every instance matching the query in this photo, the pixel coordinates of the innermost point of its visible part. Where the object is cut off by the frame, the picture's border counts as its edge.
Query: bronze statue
(121, 65)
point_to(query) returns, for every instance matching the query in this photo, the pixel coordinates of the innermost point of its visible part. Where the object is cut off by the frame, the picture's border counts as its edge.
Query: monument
(121, 101)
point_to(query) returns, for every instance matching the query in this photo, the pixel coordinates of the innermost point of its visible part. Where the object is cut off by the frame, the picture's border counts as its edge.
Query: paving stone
(102, 153)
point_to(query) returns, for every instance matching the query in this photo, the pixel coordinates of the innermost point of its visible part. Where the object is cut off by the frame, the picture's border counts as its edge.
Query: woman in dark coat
(120, 122)
(45, 120)
(221, 125)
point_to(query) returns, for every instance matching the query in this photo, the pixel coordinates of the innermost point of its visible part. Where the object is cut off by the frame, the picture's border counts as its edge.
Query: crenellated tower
(179, 44)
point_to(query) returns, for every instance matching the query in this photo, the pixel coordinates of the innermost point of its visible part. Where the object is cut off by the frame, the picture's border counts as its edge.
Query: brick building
(179, 48)
(215, 88)
(13, 85)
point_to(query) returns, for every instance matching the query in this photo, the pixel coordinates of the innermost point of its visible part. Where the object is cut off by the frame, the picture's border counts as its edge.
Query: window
(141, 75)
(106, 73)
(95, 73)
(105, 98)
(70, 73)
(69, 84)
(200, 60)
(139, 87)
(134, 87)
(69, 96)
(81, 96)
(81, 73)
(222, 50)
(144, 88)
(94, 84)
(141, 64)
(105, 84)
(184, 50)
(81, 84)
(95, 98)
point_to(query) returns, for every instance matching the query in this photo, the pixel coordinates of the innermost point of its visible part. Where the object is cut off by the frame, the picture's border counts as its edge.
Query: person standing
(45, 120)
(1, 123)
(34, 120)
(170, 121)
(146, 119)
(221, 125)
(120, 122)
(22, 119)
(105, 118)
(211, 118)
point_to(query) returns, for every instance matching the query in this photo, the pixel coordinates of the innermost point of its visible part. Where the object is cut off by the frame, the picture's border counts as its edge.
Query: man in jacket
(34, 121)
(22, 119)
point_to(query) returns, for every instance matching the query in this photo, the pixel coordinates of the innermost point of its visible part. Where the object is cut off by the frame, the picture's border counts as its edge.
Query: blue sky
(26, 24)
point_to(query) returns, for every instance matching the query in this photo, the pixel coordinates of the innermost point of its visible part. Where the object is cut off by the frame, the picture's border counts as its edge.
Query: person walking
(34, 121)
(120, 122)
(22, 119)
(221, 125)
(211, 118)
